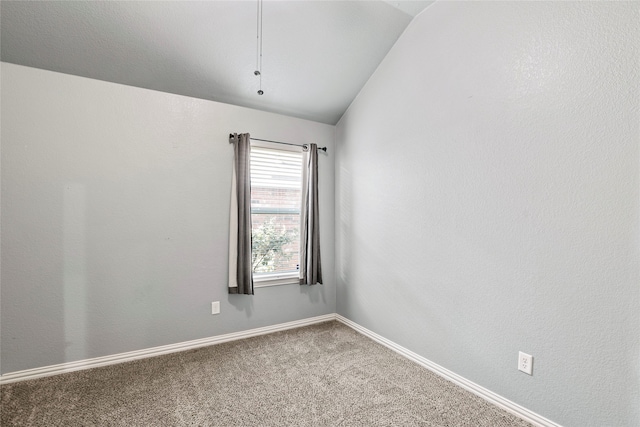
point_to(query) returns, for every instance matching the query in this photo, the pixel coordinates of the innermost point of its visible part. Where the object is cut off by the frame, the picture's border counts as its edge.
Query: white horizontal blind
(276, 185)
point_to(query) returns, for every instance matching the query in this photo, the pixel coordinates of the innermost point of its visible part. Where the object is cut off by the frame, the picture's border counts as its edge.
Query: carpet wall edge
(488, 395)
(78, 365)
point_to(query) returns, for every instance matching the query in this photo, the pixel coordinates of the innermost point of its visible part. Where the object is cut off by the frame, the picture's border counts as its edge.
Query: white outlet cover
(215, 307)
(525, 363)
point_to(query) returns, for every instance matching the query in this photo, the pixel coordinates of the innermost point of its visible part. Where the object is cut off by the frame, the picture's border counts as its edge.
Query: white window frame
(277, 279)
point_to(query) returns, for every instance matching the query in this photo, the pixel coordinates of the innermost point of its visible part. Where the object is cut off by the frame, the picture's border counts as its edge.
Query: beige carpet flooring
(321, 375)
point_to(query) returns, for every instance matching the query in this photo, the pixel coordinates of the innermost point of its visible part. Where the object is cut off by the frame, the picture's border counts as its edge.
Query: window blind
(276, 181)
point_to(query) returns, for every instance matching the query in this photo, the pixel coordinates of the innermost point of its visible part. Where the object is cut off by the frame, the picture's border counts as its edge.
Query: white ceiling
(317, 55)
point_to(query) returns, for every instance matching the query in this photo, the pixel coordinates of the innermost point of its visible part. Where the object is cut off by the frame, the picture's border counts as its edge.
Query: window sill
(264, 281)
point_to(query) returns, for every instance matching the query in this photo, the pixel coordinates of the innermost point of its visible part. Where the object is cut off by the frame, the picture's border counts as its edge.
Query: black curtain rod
(280, 142)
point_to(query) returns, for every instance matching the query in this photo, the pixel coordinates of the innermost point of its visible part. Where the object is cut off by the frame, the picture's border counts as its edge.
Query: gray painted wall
(115, 210)
(488, 202)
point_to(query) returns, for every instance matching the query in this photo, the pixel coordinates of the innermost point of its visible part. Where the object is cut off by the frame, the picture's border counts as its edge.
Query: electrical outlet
(525, 363)
(215, 307)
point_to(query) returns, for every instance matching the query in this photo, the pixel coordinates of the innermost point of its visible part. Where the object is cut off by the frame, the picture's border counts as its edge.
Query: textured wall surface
(115, 210)
(488, 201)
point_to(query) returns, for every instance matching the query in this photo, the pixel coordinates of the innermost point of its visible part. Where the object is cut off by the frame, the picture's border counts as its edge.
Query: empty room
(320, 213)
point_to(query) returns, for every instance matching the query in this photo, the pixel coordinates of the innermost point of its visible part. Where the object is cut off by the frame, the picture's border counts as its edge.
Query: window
(276, 185)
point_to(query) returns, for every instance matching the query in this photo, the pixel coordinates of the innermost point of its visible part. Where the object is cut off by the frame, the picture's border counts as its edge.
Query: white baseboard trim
(46, 371)
(488, 395)
(474, 388)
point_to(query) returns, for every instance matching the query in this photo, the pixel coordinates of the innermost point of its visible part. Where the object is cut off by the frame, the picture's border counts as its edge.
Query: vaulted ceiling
(317, 55)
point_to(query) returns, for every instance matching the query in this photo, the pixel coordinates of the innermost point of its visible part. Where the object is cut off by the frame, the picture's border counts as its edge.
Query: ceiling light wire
(258, 71)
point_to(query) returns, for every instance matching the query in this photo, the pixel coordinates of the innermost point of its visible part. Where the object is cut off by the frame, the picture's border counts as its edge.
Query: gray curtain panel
(240, 276)
(310, 265)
